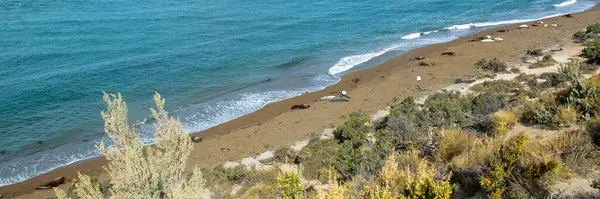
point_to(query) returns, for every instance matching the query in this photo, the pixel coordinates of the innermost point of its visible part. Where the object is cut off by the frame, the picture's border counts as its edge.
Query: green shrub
(535, 53)
(581, 36)
(354, 129)
(349, 160)
(489, 102)
(593, 29)
(580, 96)
(447, 109)
(320, 154)
(494, 66)
(236, 175)
(592, 51)
(537, 113)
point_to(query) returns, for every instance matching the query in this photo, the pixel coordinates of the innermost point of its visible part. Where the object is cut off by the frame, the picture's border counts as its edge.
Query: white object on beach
(418, 78)
(554, 25)
(524, 26)
(487, 40)
(545, 25)
(540, 22)
(344, 93)
(489, 37)
(498, 39)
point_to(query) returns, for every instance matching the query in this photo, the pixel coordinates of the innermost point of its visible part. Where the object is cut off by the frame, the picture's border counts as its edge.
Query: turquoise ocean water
(213, 61)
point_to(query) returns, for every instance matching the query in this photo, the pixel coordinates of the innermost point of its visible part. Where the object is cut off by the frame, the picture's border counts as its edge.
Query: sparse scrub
(535, 53)
(497, 86)
(576, 149)
(494, 65)
(412, 178)
(546, 61)
(136, 172)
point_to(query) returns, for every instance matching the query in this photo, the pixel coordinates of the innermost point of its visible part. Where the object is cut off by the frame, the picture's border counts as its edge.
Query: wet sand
(276, 125)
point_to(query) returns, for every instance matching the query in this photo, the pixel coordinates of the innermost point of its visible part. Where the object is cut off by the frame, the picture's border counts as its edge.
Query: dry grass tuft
(453, 143)
(503, 121)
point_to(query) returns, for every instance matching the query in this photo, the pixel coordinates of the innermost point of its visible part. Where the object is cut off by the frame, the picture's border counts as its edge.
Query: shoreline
(243, 136)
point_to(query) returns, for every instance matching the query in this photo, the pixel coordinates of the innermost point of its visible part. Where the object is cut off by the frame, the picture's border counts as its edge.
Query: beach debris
(498, 39)
(523, 26)
(449, 53)
(554, 25)
(196, 139)
(229, 165)
(300, 106)
(54, 183)
(487, 40)
(426, 64)
(418, 78)
(356, 80)
(503, 30)
(568, 16)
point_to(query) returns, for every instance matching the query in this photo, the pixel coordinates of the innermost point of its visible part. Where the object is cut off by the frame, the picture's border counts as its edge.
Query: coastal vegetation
(136, 171)
(517, 138)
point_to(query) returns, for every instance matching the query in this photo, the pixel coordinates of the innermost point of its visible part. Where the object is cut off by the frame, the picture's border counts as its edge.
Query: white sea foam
(566, 3)
(417, 35)
(494, 23)
(412, 36)
(347, 63)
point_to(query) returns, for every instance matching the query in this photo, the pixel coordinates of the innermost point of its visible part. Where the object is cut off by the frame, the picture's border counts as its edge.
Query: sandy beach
(276, 126)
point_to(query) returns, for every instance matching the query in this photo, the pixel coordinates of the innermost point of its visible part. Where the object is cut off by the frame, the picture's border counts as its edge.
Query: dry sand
(277, 126)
